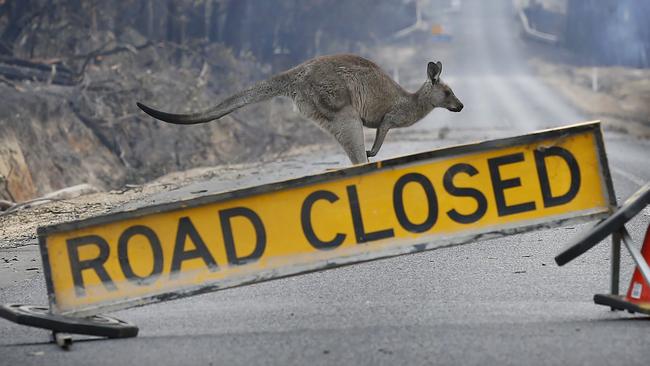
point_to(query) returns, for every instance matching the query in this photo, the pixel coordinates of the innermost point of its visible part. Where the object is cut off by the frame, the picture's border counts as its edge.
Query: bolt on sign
(409, 204)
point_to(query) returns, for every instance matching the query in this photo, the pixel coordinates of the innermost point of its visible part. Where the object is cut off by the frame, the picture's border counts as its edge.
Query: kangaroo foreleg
(382, 130)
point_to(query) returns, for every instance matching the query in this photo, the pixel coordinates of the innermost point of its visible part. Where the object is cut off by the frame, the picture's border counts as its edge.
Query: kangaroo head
(438, 93)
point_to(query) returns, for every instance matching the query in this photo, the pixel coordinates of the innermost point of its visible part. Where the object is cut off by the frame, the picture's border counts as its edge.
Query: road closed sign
(409, 204)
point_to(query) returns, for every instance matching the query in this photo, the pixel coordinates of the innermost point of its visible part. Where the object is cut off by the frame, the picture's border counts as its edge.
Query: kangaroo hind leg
(347, 129)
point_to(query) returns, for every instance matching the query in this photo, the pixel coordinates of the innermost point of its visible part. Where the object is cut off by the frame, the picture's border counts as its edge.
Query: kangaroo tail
(259, 92)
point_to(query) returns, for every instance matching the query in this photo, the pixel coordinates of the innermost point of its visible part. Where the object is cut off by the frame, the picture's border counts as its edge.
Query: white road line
(629, 176)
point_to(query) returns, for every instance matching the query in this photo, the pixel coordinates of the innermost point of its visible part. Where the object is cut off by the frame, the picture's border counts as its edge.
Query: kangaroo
(341, 93)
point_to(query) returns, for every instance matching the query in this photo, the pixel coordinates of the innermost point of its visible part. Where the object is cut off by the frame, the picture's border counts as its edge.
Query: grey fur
(341, 93)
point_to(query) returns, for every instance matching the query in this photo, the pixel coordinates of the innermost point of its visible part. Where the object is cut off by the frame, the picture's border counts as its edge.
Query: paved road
(495, 302)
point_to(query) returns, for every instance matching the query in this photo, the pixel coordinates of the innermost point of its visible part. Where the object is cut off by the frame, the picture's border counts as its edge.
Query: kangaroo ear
(434, 70)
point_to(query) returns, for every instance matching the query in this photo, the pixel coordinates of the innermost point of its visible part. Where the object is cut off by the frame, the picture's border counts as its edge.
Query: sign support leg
(637, 256)
(615, 262)
(63, 340)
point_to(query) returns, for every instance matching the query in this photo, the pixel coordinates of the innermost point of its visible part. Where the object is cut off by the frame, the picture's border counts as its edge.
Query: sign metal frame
(614, 225)
(587, 240)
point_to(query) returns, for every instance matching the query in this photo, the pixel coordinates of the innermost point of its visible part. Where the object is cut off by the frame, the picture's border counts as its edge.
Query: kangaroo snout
(457, 108)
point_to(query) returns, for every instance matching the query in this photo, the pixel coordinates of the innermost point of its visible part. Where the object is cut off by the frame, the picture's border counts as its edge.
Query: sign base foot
(40, 317)
(618, 302)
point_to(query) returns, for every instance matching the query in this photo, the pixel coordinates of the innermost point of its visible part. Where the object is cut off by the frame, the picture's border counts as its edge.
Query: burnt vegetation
(72, 70)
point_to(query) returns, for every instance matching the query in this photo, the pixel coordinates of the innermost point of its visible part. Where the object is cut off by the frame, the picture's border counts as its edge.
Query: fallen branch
(12, 68)
(53, 71)
(60, 195)
(29, 203)
(5, 205)
(42, 65)
(100, 52)
(11, 84)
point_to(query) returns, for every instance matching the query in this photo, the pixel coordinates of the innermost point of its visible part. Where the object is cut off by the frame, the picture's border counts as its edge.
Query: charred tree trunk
(93, 16)
(171, 21)
(234, 27)
(207, 12)
(149, 19)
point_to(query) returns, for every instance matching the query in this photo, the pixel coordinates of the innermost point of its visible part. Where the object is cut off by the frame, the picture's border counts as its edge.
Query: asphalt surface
(498, 302)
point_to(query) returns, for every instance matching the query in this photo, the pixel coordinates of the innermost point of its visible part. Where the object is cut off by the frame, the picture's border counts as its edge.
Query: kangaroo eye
(447, 93)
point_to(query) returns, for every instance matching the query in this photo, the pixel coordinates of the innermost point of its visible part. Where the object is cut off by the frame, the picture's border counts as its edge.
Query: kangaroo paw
(370, 154)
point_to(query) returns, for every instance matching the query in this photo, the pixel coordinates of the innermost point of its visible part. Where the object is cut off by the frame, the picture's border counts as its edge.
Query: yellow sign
(409, 204)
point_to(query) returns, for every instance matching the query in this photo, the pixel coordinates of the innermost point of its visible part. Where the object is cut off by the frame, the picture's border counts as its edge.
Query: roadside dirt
(622, 99)
(18, 228)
